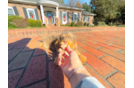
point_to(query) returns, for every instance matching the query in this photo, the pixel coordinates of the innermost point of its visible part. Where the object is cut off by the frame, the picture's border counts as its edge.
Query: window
(75, 17)
(64, 17)
(10, 11)
(31, 14)
(86, 18)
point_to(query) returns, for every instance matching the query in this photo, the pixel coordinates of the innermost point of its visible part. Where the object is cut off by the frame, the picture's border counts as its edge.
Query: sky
(66, 1)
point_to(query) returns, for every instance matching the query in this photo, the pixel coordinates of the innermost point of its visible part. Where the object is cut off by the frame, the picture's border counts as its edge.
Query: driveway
(31, 66)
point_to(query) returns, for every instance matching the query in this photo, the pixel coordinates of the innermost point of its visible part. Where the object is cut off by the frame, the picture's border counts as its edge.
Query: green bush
(11, 25)
(21, 23)
(79, 23)
(34, 23)
(73, 24)
(12, 17)
(95, 23)
(111, 24)
(102, 23)
(85, 24)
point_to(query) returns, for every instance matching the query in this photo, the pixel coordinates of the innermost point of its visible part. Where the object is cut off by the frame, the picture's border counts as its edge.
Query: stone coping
(46, 31)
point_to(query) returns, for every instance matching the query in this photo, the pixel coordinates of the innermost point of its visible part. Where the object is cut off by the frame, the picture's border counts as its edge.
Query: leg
(56, 61)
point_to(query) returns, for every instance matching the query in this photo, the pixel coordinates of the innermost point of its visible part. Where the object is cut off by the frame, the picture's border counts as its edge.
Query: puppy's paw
(83, 59)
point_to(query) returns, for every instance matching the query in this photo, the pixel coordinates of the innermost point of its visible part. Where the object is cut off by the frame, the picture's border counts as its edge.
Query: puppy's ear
(53, 45)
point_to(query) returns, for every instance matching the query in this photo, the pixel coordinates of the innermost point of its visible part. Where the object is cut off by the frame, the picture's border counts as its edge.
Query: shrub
(20, 22)
(34, 23)
(111, 24)
(12, 17)
(95, 23)
(73, 24)
(11, 25)
(79, 23)
(85, 24)
(99, 23)
(102, 23)
(68, 24)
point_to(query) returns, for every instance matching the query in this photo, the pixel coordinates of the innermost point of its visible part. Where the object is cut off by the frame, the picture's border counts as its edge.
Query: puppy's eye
(61, 38)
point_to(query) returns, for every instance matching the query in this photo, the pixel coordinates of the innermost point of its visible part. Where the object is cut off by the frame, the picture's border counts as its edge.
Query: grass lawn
(13, 27)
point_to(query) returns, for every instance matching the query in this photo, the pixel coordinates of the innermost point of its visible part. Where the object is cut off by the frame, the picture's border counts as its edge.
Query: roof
(88, 13)
(45, 2)
(68, 6)
(52, 4)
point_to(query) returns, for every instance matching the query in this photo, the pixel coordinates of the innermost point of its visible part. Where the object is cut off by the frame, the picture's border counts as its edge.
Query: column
(42, 14)
(57, 12)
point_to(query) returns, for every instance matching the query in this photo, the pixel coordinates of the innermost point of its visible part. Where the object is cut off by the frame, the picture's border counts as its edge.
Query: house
(49, 12)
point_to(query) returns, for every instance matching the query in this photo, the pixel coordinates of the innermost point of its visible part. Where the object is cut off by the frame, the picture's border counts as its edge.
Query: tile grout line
(33, 83)
(15, 56)
(111, 74)
(103, 56)
(15, 45)
(116, 44)
(38, 55)
(112, 66)
(99, 42)
(16, 69)
(47, 69)
(100, 76)
(113, 56)
(102, 60)
(118, 50)
(99, 48)
(87, 45)
(17, 86)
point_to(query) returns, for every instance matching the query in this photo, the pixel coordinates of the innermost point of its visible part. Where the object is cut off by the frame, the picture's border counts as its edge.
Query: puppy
(64, 39)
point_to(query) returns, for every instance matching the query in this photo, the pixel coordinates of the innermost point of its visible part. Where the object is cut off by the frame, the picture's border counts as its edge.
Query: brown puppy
(56, 42)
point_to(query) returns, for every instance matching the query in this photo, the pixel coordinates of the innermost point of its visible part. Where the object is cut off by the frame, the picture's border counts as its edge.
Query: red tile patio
(30, 66)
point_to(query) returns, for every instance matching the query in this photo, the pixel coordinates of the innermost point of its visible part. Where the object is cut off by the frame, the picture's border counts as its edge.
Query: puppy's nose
(65, 42)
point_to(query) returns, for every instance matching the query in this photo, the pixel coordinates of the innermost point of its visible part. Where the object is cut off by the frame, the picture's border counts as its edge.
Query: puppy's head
(66, 38)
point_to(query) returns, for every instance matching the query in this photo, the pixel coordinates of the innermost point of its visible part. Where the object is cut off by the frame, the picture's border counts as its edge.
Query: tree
(78, 5)
(60, 1)
(106, 9)
(121, 16)
(87, 7)
(74, 2)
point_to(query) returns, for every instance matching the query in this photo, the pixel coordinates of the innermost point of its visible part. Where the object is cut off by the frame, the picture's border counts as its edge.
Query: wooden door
(50, 18)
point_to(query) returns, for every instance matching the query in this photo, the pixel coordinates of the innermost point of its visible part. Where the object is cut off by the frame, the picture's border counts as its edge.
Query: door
(50, 18)
(64, 17)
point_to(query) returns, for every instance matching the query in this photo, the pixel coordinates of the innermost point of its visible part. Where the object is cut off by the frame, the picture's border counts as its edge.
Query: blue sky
(66, 1)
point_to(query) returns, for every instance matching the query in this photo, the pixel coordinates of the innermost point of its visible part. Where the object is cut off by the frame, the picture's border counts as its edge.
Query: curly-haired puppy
(56, 42)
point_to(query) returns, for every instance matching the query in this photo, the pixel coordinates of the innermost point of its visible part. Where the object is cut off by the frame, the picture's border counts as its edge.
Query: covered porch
(49, 13)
